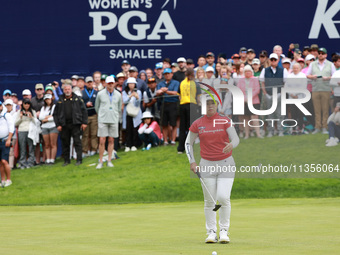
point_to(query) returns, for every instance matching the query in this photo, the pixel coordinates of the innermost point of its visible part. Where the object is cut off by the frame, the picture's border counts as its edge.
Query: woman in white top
(49, 129)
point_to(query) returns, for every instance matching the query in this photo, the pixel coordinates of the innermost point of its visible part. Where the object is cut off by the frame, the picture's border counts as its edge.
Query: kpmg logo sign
(324, 17)
(135, 25)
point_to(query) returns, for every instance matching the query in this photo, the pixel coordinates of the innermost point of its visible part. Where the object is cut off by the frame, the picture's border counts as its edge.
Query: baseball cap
(47, 96)
(235, 56)
(209, 54)
(190, 61)
(120, 75)
(306, 48)
(286, 61)
(151, 80)
(174, 64)
(88, 79)
(273, 55)
(131, 80)
(8, 101)
(159, 65)
(14, 95)
(243, 49)
(39, 86)
(26, 92)
(181, 59)
(109, 79)
(222, 55)
(255, 61)
(7, 91)
(250, 50)
(26, 101)
(264, 53)
(81, 78)
(133, 69)
(0, 103)
(297, 51)
(167, 70)
(66, 81)
(323, 50)
(301, 60)
(103, 77)
(310, 57)
(314, 47)
(209, 69)
(48, 87)
(337, 104)
(74, 77)
(125, 62)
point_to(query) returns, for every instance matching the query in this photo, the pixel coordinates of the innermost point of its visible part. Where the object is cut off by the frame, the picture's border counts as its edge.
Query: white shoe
(316, 131)
(133, 148)
(84, 155)
(92, 153)
(281, 133)
(99, 166)
(148, 147)
(127, 149)
(109, 164)
(270, 134)
(241, 135)
(105, 153)
(224, 238)
(8, 182)
(324, 131)
(3, 184)
(212, 237)
(332, 142)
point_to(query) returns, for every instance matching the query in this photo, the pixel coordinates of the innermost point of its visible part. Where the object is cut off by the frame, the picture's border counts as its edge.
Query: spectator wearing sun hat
(149, 131)
(180, 74)
(320, 72)
(133, 73)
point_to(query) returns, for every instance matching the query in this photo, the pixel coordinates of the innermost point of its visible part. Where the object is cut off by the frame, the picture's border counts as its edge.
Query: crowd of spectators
(155, 106)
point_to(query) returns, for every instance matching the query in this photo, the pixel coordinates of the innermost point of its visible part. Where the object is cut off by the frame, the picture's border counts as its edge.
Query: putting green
(266, 226)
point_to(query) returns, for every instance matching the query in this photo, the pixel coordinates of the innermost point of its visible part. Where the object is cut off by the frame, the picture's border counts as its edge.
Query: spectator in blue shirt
(168, 91)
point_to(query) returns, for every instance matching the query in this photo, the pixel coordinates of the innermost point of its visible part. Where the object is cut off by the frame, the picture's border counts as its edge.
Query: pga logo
(238, 100)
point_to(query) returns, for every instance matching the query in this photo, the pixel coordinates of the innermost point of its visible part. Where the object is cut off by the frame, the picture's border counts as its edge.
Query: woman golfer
(217, 166)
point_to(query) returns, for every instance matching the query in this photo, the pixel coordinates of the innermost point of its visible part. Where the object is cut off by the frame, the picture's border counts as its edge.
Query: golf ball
(214, 253)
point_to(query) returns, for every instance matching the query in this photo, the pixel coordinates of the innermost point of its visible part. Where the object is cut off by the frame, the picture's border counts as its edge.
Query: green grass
(160, 175)
(267, 226)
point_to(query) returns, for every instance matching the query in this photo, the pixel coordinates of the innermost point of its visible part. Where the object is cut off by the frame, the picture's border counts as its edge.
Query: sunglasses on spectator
(27, 103)
(244, 51)
(7, 95)
(273, 59)
(322, 53)
(151, 80)
(39, 89)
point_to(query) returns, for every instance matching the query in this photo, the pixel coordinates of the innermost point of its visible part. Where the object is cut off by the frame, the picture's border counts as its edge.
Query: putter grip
(198, 174)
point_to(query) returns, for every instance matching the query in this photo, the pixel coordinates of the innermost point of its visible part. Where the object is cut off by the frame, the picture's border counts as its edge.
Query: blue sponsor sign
(49, 40)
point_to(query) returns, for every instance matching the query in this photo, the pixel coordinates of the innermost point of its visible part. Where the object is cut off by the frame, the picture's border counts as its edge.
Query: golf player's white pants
(219, 183)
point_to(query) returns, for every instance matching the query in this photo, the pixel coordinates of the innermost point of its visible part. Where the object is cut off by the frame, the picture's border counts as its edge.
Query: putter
(216, 205)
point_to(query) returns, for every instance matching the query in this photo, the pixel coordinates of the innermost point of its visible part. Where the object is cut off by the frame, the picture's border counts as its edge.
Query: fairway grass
(258, 226)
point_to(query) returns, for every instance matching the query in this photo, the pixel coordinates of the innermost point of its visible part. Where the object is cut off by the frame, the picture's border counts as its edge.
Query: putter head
(217, 207)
